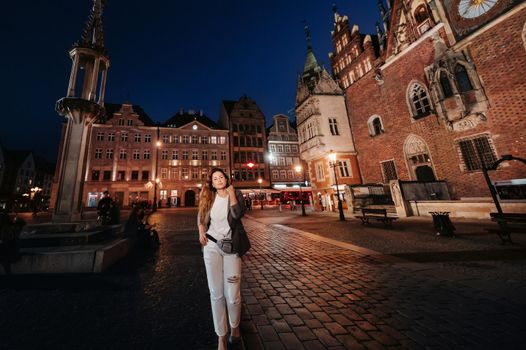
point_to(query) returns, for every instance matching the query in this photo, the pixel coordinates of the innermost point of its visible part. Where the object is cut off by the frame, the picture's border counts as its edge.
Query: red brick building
(439, 94)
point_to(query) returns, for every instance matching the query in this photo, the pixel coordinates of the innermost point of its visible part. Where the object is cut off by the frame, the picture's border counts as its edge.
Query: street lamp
(298, 169)
(333, 163)
(158, 145)
(260, 194)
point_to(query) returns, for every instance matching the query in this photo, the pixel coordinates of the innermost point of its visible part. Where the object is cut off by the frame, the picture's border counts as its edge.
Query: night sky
(164, 55)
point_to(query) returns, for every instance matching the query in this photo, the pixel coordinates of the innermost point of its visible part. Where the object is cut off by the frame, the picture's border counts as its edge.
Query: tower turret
(83, 105)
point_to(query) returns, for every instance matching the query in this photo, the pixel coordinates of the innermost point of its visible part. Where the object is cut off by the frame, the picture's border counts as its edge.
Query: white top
(219, 227)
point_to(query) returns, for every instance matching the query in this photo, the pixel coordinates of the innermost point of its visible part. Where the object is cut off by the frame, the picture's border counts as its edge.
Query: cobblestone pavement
(151, 300)
(309, 292)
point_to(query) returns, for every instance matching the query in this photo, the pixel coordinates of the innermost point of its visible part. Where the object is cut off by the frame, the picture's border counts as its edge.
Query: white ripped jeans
(223, 294)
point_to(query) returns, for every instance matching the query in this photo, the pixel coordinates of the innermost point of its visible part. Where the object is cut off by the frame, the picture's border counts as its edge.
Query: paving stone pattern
(306, 294)
(152, 300)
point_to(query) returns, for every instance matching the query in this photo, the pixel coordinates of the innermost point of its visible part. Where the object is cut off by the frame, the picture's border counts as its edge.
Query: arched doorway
(424, 173)
(189, 198)
(418, 159)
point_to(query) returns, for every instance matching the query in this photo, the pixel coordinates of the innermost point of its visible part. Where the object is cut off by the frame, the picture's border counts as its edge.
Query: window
(476, 152)
(421, 14)
(195, 173)
(461, 75)
(124, 136)
(234, 127)
(388, 170)
(121, 175)
(290, 174)
(122, 154)
(164, 154)
(95, 175)
(136, 154)
(130, 122)
(280, 148)
(109, 153)
(184, 173)
(175, 139)
(195, 139)
(419, 102)
(272, 148)
(214, 155)
(222, 140)
(204, 140)
(106, 176)
(287, 148)
(275, 174)
(186, 139)
(147, 138)
(100, 136)
(294, 148)
(283, 174)
(446, 85)
(121, 121)
(111, 136)
(166, 139)
(137, 137)
(333, 125)
(145, 175)
(98, 153)
(135, 175)
(213, 140)
(204, 155)
(195, 155)
(146, 154)
(375, 125)
(223, 155)
(164, 173)
(343, 168)
(320, 175)
(185, 155)
(281, 161)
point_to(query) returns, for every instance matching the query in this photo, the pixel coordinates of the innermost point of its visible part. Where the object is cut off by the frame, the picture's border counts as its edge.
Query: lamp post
(298, 169)
(158, 145)
(260, 194)
(333, 163)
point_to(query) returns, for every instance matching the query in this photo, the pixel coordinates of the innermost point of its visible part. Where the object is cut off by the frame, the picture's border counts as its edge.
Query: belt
(211, 238)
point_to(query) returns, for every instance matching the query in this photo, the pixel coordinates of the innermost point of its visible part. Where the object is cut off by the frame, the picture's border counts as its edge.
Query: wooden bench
(508, 223)
(376, 214)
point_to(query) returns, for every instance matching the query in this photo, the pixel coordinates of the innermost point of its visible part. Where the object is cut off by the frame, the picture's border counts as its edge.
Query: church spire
(93, 35)
(311, 64)
(384, 14)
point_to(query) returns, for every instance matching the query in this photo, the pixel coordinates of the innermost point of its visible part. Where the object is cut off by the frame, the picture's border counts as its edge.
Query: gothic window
(375, 126)
(419, 101)
(461, 75)
(333, 125)
(421, 14)
(446, 85)
(477, 152)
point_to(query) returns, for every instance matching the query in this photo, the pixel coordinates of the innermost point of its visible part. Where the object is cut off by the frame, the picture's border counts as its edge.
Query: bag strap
(211, 238)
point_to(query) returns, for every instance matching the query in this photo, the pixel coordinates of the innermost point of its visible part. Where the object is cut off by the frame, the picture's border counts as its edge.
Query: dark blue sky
(164, 55)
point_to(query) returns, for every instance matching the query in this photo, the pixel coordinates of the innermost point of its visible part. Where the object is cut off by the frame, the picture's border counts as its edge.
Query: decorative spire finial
(93, 35)
(307, 33)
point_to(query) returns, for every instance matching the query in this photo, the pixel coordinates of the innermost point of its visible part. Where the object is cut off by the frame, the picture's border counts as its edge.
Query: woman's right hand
(202, 239)
(202, 236)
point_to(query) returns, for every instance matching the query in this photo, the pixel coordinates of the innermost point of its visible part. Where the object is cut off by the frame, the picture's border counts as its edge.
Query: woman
(221, 208)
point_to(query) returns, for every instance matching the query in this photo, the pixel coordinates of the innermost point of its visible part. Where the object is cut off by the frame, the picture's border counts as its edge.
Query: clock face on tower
(471, 9)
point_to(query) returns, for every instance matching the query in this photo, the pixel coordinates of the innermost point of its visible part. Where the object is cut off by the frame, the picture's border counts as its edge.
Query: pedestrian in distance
(224, 241)
(104, 208)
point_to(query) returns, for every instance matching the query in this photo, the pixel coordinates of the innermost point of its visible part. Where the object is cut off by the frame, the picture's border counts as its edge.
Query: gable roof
(183, 118)
(112, 108)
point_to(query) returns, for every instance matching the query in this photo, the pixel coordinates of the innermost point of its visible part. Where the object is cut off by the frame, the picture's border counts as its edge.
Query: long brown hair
(208, 195)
